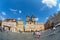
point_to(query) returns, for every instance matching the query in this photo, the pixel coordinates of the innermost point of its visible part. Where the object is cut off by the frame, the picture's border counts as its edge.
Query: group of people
(2, 29)
(37, 34)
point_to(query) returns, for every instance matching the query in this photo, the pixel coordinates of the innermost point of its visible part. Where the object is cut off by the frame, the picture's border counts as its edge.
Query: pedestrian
(37, 34)
(3, 29)
(54, 29)
(33, 33)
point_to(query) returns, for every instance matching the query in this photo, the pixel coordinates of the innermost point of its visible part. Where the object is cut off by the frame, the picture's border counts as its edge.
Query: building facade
(31, 25)
(34, 27)
(20, 26)
(9, 25)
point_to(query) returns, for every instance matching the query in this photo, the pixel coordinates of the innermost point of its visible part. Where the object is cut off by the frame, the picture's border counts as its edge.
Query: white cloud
(3, 13)
(58, 7)
(47, 17)
(19, 18)
(36, 19)
(20, 11)
(2, 18)
(50, 3)
(14, 10)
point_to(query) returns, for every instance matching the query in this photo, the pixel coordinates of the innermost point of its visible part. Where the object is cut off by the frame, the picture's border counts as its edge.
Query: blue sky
(18, 9)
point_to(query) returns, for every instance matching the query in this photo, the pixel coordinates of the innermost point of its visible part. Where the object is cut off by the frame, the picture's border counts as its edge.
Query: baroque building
(13, 25)
(20, 26)
(9, 25)
(32, 25)
(30, 20)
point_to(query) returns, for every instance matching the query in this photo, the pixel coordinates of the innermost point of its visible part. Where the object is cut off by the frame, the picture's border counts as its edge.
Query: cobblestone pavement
(47, 35)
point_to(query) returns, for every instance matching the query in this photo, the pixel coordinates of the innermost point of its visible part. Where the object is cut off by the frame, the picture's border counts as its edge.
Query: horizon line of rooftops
(17, 19)
(28, 18)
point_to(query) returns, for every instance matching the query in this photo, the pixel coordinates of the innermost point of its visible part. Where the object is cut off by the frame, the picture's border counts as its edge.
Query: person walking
(37, 35)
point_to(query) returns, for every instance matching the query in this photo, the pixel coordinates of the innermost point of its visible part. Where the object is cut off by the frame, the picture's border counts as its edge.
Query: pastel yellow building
(31, 25)
(39, 26)
(9, 24)
(34, 27)
(20, 25)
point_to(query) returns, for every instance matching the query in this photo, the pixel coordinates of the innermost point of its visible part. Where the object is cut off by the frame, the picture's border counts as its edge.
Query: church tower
(27, 19)
(33, 19)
